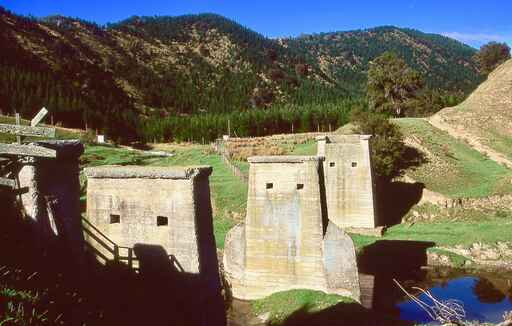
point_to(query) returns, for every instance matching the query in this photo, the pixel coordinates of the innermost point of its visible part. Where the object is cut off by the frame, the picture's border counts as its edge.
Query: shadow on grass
(340, 315)
(396, 198)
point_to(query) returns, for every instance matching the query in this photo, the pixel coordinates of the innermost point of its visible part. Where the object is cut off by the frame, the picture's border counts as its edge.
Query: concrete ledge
(373, 232)
(147, 172)
(283, 159)
(335, 138)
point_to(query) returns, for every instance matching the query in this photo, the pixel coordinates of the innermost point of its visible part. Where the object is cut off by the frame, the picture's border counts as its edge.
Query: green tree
(392, 85)
(387, 145)
(491, 55)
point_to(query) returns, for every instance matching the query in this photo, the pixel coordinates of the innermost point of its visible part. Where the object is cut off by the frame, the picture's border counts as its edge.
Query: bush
(387, 146)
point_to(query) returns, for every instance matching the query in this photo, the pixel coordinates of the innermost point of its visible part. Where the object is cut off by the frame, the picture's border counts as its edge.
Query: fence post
(130, 258)
(116, 253)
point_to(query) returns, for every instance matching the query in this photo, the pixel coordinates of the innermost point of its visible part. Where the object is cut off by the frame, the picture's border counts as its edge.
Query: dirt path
(459, 133)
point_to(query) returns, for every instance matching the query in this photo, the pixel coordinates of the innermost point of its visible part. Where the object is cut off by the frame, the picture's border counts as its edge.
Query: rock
(491, 254)
(264, 318)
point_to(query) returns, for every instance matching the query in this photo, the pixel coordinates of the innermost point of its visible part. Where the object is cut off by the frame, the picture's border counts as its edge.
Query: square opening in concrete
(300, 186)
(354, 164)
(332, 164)
(270, 185)
(162, 221)
(114, 218)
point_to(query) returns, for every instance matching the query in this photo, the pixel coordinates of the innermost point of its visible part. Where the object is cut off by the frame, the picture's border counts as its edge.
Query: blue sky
(470, 21)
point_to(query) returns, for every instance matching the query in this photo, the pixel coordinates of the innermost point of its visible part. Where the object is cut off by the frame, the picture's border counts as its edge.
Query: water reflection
(484, 297)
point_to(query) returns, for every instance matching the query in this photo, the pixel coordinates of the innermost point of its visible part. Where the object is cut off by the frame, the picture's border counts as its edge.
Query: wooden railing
(116, 252)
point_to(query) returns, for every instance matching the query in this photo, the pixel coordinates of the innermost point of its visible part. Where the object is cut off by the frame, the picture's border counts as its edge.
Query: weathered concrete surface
(349, 182)
(51, 201)
(286, 241)
(141, 198)
(165, 215)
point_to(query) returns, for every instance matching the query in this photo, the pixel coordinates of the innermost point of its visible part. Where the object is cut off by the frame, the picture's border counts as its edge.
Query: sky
(470, 21)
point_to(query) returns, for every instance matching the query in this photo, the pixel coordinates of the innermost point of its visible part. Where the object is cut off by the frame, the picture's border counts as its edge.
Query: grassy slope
(447, 232)
(454, 169)
(487, 114)
(228, 192)
(282, 304)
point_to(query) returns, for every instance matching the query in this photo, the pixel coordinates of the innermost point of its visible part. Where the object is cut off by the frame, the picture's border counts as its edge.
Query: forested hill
(118, 77)
(344, 56)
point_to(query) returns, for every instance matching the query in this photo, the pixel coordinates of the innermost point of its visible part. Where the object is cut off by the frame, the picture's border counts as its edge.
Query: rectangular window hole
(162, 221)
(332, 164)
(115, 219)
(354, 164)
(270, 185)
(300, 186)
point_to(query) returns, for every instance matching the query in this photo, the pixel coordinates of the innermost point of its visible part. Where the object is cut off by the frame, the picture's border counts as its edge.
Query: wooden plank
(27, 150)
(27, 131)
(20, 191)
(39, 117)
(7, 182)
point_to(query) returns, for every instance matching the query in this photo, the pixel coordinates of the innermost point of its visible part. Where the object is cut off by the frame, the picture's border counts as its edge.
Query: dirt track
(459, 133)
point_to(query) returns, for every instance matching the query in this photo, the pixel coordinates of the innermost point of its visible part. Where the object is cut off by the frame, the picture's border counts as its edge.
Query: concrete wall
(50, 197)
(127, 204)
(165, 216)
(283, 244)
(349, 182)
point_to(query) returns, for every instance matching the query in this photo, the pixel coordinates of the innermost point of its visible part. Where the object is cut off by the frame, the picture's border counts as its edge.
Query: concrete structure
(169, 207)
(50, 195)
(287, 242)
(349, 182)
(162, 216)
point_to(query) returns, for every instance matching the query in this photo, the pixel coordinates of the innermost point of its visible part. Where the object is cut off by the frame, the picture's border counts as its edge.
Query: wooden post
(18, 122)
(130, 258)
(229, 128)
(116, 253)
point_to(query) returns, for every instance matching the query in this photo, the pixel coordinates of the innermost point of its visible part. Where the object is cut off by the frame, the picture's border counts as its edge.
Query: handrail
(115, 250)
(103, 244)
(97, 230)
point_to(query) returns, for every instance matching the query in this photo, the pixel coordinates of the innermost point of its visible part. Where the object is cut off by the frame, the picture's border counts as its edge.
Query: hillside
(114, 77)
(344, 56)
(484, 119)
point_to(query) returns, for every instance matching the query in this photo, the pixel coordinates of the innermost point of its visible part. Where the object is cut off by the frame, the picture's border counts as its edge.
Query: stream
(485, 296)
